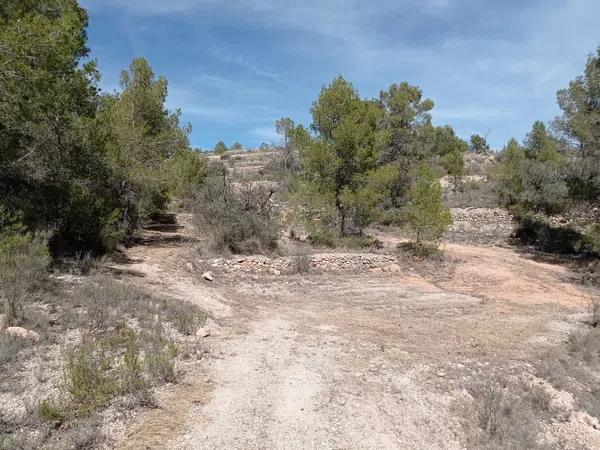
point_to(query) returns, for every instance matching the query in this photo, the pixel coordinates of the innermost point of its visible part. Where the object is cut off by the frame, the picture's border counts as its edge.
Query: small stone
(441, 373)
(22, 333)
(189, 267)
(203, 332)
(276, 272)
(207, 276)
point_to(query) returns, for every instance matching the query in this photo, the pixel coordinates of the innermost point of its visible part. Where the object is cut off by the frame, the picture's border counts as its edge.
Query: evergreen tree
(426, 214)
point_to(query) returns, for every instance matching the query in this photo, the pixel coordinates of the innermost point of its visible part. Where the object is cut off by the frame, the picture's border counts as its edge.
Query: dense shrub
(535, 230)
(544, 188)
(426, 215)
(240, 217)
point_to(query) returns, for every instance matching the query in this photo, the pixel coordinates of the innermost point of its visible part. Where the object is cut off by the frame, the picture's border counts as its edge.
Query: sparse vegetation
(24, 261)
(506, 414)
(239, 217)
(87, 179)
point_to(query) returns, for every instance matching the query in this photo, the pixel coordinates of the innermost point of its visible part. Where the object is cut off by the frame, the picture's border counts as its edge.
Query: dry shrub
(237, 218)
(594, 311)
(506, 415)
(24, 261)
(300, 264)
(10, 348)
(574, 368)
(160, 354)
(472, 194)
(104, 304)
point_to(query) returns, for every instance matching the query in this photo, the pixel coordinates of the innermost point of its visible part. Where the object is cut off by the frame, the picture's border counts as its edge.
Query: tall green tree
(53, 170)
(580, 103)
(579, 126)
(406, 113)
(340, 164)
(507, 175)
(426, 214)
(142, 136)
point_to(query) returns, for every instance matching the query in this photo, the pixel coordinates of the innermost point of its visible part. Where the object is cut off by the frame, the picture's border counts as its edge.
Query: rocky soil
(357, 351)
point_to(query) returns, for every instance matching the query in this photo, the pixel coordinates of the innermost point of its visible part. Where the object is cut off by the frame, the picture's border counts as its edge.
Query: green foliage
(426, 214)
(186, 170)
(406, 115)
(220, 148)
(24, 261)
(292, 138)
(341, 161)
(51, 154)
(49, 412)
(507, 176)
(239, 218)
(531, 178)
(580, 103)
(144, 140)
(544, 188)
(236, 146)
(478, 144)
(540, 146)
(592, 237)
(87, 377)
(454, 163)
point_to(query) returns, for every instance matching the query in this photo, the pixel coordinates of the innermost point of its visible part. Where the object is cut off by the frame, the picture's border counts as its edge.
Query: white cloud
(243, 62)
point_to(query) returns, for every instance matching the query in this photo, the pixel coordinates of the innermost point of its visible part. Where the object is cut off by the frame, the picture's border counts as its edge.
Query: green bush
(544, 188)
(426, 214)
(24, 261)
(534, 229)
(592, 237)
(50, 412)
(88, 380)
(239, 218)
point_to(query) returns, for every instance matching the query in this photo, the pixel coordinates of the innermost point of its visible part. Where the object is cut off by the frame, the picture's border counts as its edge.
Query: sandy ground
(371, 359)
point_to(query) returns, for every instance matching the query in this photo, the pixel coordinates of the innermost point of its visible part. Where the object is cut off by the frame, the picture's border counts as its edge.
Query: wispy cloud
(243, 62)
(481, 61)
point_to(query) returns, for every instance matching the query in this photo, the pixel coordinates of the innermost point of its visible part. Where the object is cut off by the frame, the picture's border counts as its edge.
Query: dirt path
(371, 359)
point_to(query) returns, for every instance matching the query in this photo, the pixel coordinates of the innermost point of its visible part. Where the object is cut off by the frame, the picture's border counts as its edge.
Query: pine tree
(426, 214)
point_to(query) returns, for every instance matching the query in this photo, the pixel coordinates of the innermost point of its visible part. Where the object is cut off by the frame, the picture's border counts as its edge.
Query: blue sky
(234, 67)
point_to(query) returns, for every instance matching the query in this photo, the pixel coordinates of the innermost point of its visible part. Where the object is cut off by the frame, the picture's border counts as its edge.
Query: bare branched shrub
(505, 414)
(240, 217)
(300, 264)
(574, 368)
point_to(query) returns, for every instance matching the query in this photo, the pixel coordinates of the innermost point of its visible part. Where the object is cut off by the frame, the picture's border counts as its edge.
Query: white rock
(203, 332)
(276, 272)
(189, 267)
(208, 276)
(22, 333)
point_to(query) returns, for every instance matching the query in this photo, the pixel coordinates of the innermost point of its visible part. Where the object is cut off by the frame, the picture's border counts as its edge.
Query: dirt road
(369, 359)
